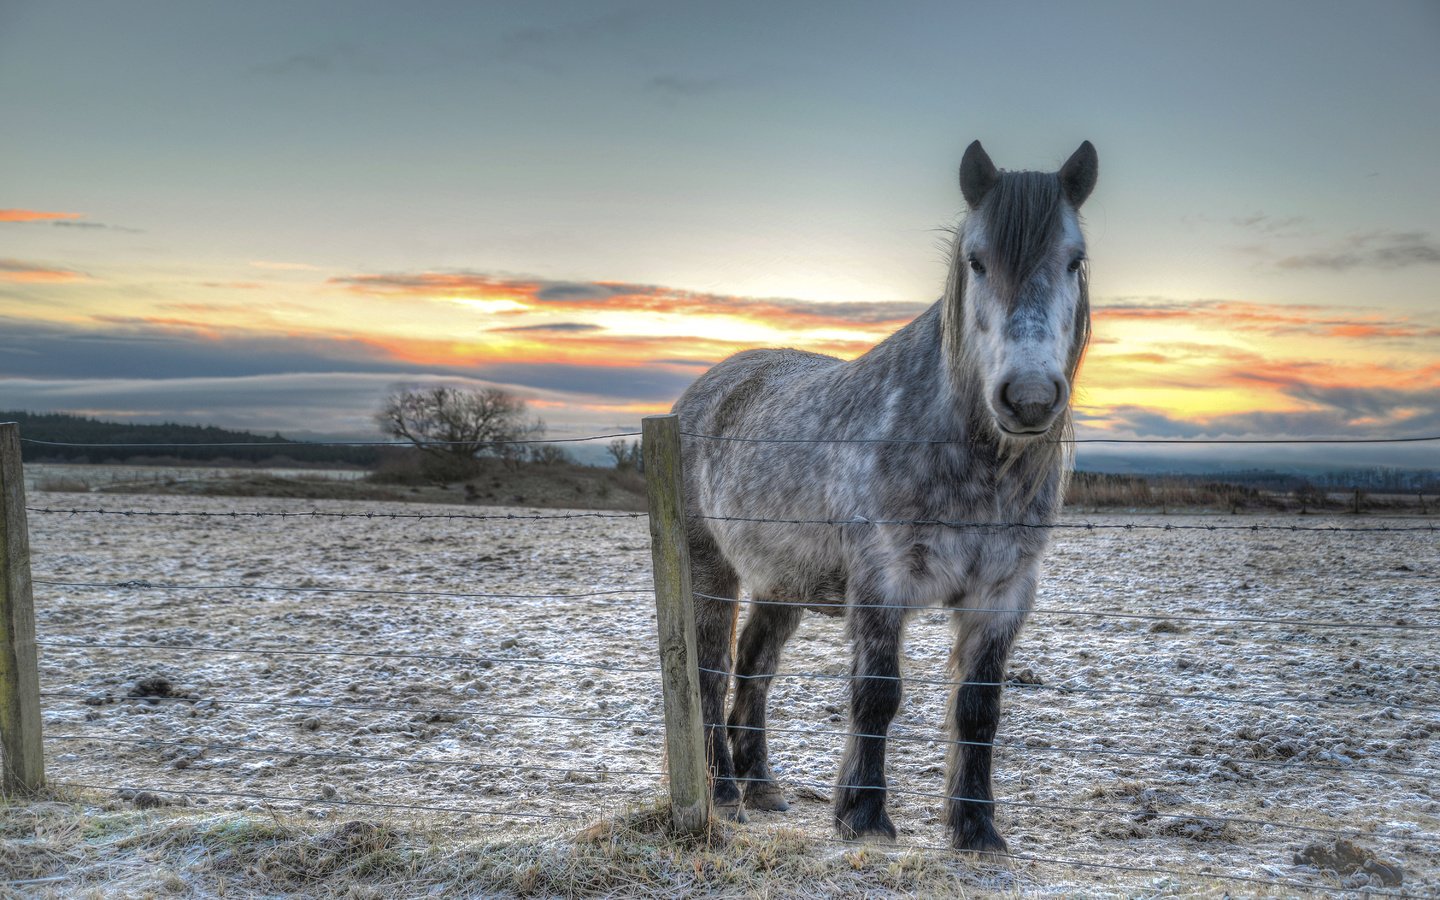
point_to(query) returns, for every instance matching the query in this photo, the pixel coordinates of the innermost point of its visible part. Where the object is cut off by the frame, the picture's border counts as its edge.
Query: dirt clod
(153, 687)
(1348, 858)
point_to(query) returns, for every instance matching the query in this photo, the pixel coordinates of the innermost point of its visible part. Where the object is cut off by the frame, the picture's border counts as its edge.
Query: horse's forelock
(1022, 217)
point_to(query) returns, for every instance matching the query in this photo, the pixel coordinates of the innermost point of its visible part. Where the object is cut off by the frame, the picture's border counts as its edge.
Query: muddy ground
(1246, 739)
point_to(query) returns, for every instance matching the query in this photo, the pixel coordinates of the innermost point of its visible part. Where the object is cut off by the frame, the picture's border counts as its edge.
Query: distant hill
(182, 442)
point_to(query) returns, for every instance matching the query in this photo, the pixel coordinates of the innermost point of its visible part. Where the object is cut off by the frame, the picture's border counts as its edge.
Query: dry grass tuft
(75, 845)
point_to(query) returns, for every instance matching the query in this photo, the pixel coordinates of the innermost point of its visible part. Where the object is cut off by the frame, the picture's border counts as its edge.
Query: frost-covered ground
(1246, 739)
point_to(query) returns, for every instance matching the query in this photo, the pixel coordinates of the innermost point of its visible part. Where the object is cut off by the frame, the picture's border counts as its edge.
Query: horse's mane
(1024, 211)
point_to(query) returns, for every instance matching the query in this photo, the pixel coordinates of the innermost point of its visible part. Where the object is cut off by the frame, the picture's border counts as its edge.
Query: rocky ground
(1158, 741)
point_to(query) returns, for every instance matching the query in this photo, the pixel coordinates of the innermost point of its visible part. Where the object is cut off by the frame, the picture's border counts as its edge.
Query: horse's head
(1019, 281)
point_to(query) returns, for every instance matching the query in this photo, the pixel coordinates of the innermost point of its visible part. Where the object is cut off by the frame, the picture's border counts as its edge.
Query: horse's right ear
(1077, 176)
(977, 175)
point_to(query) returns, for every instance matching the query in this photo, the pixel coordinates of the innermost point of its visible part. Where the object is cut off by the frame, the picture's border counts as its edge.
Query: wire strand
(334, 801)
(860, 521)
(1071, 689)
(366, 707)
(141, 584)
(299, 651)
(1090, 613)
(319, 514)
(302, 444)
(351, 757)
(964, 441)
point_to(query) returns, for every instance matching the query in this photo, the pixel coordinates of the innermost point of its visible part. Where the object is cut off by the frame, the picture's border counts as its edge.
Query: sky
(263, 215)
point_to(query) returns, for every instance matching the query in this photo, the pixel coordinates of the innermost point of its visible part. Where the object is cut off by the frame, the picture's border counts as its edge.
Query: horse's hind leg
(874, 700)
(716, 587)
(767, 628)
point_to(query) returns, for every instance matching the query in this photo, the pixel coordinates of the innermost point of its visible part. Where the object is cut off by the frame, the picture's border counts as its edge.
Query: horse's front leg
(982, 647)
(874, 700)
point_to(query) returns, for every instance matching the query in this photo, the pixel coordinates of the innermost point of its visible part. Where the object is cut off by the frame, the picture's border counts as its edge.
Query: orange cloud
(539, 295)
(32, 215)
(1234, 315)
(15, 270)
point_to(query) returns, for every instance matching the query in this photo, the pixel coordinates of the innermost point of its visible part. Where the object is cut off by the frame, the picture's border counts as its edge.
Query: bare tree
(627, 455)
(454, 425)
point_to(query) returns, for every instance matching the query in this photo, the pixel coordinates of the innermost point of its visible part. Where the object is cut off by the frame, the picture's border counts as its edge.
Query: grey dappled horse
(980, 384)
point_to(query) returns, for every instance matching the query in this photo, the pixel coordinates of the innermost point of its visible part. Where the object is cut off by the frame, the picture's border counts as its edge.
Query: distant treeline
(67, 429)
(1375, 479)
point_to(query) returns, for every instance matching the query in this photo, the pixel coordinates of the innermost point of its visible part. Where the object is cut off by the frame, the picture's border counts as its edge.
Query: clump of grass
(63, 484)
(75, 845)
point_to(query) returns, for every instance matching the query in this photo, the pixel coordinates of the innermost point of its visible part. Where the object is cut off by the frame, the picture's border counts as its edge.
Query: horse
(927, 473)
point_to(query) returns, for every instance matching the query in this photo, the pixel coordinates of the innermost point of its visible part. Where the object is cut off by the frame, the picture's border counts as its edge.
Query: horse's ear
(977, 175)
(1077, 176)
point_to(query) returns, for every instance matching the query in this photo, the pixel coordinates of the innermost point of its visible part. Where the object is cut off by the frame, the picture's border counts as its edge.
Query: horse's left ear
(1077, 176)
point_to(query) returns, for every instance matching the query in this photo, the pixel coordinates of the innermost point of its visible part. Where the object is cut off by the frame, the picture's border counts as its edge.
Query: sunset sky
(264, 214)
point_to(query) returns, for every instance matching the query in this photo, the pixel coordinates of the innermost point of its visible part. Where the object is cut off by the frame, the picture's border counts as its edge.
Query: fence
(677, 672)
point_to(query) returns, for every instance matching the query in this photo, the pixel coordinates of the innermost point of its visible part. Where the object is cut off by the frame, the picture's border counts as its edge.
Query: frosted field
(1245, 738)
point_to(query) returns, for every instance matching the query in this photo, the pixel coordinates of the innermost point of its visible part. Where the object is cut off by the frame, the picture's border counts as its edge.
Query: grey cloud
(558, 328)
(576, 290)
(341, 58)
(1374, 250)
(97, 226)
(1274, 226)
(545, 45)
(681, 86)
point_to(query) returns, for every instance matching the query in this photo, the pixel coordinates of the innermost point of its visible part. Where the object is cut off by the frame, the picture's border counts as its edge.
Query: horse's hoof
(765, 795)
(979, 836)
(857, 825)
(732, 812)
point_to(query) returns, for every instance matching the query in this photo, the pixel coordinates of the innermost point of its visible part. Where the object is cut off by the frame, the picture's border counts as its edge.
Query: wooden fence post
(22, 753)
(675, 621)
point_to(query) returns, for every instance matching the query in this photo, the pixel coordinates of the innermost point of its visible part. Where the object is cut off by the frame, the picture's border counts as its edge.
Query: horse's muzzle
(1028, 405)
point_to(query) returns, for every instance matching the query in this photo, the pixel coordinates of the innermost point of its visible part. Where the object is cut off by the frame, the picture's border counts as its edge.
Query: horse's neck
(945, 400)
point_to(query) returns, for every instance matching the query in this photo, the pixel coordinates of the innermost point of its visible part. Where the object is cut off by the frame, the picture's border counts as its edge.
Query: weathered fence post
(22, 753)
(675, 620)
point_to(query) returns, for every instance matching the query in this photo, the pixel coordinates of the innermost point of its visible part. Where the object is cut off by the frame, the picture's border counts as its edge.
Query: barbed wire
(352, 757)
(1088, 613)
(858, 521)
(321, 514)
(330, 801)
(295, 445)
(1083, 526)
(817, 605)
(1408, 439)
(1124, 867)
(1094, 440)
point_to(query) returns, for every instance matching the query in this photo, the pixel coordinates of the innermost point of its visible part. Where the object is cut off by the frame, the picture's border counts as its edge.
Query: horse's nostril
(1005, 398)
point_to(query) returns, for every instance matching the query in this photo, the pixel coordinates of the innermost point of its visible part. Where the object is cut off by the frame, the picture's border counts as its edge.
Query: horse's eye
(1075, 263)
(977, 266)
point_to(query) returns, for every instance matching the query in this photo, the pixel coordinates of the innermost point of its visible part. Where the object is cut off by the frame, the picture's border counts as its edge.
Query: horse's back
(730, 398)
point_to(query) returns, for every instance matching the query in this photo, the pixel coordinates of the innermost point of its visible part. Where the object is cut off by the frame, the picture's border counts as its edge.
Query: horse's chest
(952, 561)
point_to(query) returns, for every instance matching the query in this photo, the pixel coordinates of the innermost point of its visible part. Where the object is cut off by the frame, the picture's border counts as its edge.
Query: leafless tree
(627, 455)
(455, 425)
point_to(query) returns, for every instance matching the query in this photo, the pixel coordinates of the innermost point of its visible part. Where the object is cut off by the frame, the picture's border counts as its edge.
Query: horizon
(205, 217)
